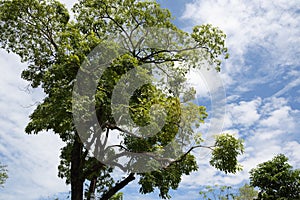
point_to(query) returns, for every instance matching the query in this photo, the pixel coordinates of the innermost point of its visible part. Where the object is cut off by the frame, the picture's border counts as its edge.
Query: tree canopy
(276, 179)
(57, 49)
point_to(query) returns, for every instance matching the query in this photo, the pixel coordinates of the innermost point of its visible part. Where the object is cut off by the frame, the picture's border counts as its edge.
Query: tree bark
(76, 170)
(92, 188)
(117, 187)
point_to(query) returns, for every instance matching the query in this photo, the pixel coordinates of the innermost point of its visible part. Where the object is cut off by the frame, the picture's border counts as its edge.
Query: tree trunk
(76, 170)
(92, 188)
(117, 187)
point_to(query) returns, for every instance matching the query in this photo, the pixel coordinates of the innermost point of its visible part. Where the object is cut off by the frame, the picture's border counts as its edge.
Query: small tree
(224, 192)
(276, 179)
(217, 192)
(3, 174)
(247, 192)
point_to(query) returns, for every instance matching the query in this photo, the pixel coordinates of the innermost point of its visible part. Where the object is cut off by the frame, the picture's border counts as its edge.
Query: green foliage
(217, 192)
(224, 155)
(31, 30)
(247, 192)
(210, 37)
(118, 196)
(3, 174)
(276, 179)
(167, 178)
(54, 47)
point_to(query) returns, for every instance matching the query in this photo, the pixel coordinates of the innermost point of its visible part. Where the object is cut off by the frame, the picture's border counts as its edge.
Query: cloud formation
(31, 160)
(263, 36)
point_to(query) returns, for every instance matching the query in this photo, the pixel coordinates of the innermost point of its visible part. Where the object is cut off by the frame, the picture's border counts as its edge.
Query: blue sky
(261, 80)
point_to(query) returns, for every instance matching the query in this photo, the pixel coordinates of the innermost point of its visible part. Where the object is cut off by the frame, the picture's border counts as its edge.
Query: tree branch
(189, 151)
(144, 59)
(115, 127)
(118, 187)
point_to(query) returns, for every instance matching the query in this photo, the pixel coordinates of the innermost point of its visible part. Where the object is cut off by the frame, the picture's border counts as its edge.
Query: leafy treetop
(276, 179)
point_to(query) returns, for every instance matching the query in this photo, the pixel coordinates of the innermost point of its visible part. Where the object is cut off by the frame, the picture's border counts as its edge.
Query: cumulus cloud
(243, 113)
(263, 36)
(272, 23)
(32, 160)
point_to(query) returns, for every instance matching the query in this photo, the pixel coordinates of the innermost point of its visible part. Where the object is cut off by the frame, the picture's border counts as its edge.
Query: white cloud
(32, 160)
(267, 30)
(243, 113)
(278, 118)
(291, 149)
(275, 128)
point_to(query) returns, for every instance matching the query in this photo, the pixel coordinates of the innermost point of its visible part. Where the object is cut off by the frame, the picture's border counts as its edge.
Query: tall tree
(276, 179)
(3, 174)
(56, 48)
